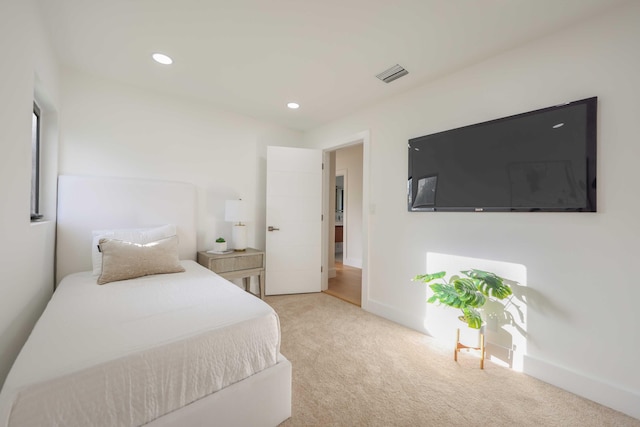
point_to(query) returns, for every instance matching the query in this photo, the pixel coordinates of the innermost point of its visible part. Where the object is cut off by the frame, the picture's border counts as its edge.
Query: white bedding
(128, 352)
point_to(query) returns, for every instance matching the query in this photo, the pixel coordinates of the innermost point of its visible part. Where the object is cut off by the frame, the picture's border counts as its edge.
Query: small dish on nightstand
(228, 251)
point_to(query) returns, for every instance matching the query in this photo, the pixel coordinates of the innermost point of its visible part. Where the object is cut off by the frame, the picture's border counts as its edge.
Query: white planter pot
(470, 337)
(219, 247)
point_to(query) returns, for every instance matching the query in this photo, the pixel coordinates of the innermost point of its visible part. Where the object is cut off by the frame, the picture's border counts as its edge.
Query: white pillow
(134, 235)
(125, 260)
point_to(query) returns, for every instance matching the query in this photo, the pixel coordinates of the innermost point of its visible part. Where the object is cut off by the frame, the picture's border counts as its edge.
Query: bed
(182, 348)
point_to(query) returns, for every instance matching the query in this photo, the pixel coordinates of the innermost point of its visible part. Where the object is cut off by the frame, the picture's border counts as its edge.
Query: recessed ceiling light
(162, 58)
(293, 105)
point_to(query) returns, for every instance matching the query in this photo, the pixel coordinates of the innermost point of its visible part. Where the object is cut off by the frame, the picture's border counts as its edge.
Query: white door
(294, 220)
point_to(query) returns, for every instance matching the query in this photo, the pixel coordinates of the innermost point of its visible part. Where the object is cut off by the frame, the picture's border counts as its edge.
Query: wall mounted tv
(543, 160)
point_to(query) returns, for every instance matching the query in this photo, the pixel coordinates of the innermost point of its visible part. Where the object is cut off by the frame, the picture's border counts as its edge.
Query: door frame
(363, 138)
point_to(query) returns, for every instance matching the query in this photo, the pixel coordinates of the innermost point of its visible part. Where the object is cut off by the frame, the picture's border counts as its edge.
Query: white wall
(578, 269)
(27, 70)
(349, 159)
(111, 129)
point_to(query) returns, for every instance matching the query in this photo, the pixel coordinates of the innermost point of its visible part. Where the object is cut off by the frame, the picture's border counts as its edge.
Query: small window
(35, 164)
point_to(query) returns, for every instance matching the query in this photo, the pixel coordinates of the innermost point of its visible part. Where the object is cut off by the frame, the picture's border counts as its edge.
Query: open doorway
(346, 224)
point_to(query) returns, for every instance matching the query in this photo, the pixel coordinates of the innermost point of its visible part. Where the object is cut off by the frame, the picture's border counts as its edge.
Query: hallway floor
(347, 285)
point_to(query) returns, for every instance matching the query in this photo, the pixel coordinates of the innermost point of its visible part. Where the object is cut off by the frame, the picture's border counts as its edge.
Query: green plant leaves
(490, 284)
(467, 289)
(471, 317)
(426, 278)
(446, 294)
(466, 293)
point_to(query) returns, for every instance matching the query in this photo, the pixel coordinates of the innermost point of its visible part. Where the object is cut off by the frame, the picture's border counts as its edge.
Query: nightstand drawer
(237, 265)
(222, 265)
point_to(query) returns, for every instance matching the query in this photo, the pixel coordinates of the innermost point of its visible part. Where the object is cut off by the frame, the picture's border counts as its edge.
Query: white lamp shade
(235, 211)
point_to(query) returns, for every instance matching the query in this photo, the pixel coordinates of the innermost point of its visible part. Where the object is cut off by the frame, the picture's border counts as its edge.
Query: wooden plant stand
(460, 346)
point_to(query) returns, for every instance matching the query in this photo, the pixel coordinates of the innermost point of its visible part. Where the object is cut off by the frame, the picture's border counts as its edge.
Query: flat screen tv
(543, 160)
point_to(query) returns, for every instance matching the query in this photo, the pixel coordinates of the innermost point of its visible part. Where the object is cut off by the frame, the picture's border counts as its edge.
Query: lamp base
(239, 237)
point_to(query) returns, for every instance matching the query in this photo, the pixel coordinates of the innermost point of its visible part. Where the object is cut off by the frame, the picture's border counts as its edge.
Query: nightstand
(237, 265)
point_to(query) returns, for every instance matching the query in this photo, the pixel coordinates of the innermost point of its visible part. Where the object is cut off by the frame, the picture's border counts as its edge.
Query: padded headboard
(87, 203)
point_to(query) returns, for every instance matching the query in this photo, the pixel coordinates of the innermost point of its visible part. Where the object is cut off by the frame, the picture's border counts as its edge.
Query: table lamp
(236, 211)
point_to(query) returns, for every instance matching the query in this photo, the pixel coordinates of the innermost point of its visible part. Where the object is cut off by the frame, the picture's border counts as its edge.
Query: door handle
(270, 228)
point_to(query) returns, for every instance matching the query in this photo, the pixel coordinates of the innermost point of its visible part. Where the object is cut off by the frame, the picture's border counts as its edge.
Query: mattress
(128, 352)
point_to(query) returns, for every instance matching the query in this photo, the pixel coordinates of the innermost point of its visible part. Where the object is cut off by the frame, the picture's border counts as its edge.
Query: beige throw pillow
(135, 235)
(127, 260)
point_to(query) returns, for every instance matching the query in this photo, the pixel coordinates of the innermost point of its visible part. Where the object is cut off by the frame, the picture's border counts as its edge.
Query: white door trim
(363, 138)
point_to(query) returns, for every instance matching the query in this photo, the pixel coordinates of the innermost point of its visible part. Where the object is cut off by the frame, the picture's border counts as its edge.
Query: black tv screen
(543, 160)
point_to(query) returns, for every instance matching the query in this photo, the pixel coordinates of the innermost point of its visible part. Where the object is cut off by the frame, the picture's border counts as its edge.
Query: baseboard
(394, 315)
(611, 395)
(353, 262)
(332, 273)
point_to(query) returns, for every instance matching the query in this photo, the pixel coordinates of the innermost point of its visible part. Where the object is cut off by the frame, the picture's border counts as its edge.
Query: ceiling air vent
(392, 73)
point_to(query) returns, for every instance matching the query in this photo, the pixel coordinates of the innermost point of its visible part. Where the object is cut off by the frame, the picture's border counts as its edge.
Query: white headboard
(87, 203)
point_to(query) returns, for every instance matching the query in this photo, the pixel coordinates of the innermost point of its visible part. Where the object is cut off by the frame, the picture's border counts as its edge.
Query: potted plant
(220, 245)
(466, 293)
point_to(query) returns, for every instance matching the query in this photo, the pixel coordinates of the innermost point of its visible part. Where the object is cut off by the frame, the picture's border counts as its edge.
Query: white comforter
(128, 352)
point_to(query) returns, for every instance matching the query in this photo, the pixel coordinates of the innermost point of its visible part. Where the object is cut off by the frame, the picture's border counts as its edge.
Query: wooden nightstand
(237, 265)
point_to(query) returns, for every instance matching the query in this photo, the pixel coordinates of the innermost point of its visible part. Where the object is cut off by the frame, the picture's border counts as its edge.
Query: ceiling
(253, 56)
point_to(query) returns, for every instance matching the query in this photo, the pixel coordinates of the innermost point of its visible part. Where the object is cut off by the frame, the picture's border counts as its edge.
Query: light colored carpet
(352, 368)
